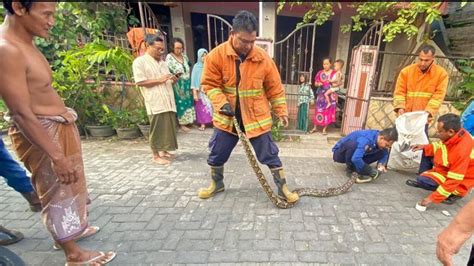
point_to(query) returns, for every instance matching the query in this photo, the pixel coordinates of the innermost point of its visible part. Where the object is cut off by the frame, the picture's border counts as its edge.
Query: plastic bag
(411, 130)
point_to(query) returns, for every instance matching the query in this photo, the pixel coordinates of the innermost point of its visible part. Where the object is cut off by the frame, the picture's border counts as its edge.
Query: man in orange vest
(241, 80)
(421, 87)
(452, 176)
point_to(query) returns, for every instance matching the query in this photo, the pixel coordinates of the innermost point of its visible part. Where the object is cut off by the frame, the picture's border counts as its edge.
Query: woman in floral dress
(178, 64)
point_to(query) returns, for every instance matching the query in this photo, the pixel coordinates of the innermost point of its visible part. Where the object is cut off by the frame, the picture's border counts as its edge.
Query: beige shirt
(159, 98)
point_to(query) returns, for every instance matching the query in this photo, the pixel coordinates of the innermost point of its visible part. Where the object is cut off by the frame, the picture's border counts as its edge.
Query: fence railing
(389, 65)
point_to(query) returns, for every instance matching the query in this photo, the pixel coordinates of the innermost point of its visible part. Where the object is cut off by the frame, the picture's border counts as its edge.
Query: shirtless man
(44, 134)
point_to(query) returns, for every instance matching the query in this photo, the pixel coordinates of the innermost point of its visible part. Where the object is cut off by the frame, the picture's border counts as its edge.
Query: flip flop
(90, 231)
(96, 260)
(12, 236)
(413, 183)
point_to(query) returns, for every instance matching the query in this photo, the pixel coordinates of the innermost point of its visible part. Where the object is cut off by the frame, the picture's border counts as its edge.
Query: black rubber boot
(280, 181)
(217, 183)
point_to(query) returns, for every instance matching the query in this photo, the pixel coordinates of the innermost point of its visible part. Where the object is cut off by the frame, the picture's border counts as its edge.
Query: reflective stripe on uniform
(455, 176)
(212, 92)
(260, 123)
(230, 90)
(436, 146)
(278, 101)
(223, 119)
(439, 176)
(419, 94)
(442, 191)
(444, 155)
(434, 103)
(250, 93)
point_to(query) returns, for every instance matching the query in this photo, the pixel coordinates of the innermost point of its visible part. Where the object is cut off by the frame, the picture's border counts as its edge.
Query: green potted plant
(124, 122)
(99, 123)
(143, 122)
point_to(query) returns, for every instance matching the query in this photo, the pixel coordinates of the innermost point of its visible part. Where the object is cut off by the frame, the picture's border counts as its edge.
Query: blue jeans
(426, 183)
(14, 174)
(222, 143)
(347, 149)
(426, 161)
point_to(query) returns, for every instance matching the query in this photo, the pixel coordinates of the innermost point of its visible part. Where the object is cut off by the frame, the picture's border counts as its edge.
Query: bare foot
(169, 155)
(184, 129)
(84, 257)
(161, 161)
(202, 128)
(314, 130)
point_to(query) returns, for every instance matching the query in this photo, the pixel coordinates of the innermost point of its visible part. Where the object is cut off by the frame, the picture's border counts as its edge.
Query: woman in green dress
(305, 96)
(178, 64)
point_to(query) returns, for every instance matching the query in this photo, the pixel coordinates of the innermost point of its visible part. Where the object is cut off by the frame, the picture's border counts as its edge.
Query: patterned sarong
(64, 206)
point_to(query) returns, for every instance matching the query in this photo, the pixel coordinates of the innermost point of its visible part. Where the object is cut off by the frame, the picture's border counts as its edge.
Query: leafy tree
(409, 16)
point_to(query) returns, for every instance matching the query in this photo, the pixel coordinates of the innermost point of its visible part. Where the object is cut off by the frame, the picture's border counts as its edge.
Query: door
(361, 79)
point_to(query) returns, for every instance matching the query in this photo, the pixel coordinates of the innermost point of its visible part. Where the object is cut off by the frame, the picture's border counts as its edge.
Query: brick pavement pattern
(150, 214)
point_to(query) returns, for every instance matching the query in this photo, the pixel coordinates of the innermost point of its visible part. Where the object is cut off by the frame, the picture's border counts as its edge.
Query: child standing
(337, 81)
(304, 97)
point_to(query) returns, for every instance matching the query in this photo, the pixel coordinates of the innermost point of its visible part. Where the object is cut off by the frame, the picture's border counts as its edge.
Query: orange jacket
(260, 86)
(453, 166)
(416, 91)
(137, 40)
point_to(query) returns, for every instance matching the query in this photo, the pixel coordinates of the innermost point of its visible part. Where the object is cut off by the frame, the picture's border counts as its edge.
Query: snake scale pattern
(275, 199)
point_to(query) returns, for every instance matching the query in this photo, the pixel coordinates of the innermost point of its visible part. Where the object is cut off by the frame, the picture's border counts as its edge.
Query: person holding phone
(178, 64)
(151, 74)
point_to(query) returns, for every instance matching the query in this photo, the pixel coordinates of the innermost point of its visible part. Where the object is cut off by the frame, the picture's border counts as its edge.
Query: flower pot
(145, 130)
(100, 131)
(81, 130)
(128, 133)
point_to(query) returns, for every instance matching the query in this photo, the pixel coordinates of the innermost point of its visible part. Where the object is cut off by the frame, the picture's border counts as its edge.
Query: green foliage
(78, 22)
(3, 109)
(120, 118)
(405, 21)
(143, 117)
(276, 131)
(466, 86)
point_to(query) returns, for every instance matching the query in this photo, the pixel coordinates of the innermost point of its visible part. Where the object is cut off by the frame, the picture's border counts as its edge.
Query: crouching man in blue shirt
(363, 147)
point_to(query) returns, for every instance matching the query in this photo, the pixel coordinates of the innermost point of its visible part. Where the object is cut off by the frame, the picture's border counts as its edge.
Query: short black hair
(244, 21)
(390, 134)
(7, 4)
(175, 40)
(150, 39)
(450, 121)
(426, 48)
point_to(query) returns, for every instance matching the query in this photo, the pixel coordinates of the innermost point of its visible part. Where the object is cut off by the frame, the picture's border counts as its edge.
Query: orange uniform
(260, 88)
(418, 91)
(453, 167)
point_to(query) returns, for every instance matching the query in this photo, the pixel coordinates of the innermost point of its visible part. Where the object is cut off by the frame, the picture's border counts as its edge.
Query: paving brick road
(150, 214)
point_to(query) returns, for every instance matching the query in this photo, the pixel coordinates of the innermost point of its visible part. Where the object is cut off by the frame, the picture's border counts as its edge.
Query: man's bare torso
(43, 98)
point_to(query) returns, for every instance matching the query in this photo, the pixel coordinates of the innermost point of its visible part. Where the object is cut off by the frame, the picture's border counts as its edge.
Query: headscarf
(197, 69)
(196, 79)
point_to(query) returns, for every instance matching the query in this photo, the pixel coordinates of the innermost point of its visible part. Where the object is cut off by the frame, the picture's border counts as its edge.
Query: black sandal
(413, 183)
(451, 199)
(12, 236)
